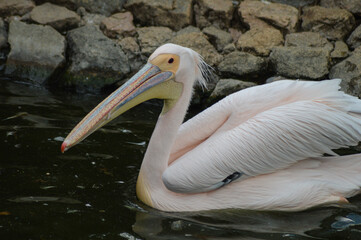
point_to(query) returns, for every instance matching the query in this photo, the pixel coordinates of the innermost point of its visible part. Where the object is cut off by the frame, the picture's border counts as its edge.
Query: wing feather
(308, 120)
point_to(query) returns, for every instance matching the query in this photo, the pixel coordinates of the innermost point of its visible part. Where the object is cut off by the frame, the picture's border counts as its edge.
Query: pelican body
(261, 148)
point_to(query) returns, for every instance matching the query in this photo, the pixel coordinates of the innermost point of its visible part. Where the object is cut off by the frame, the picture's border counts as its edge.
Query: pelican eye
(171, 60)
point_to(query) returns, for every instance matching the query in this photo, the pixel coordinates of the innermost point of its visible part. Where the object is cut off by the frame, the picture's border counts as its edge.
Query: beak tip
(63, 147)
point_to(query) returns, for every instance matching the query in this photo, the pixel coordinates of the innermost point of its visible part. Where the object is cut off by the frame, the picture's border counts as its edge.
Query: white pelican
(260, 148)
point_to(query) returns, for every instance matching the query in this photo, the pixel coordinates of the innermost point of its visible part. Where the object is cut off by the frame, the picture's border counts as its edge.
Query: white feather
(253, 135)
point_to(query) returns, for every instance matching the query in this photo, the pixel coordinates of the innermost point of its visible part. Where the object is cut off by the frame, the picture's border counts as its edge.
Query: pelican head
(168, 70)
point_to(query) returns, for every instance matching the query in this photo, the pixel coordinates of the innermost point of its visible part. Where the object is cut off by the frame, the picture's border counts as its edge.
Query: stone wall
(90, 45)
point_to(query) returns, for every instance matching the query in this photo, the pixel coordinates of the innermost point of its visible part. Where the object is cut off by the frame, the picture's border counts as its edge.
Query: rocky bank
(92, 45)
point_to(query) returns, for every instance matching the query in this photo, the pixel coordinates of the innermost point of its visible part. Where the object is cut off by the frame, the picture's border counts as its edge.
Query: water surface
(89, 192)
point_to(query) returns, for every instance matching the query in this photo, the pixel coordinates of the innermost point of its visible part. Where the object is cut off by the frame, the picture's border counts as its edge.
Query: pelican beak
(150, 82)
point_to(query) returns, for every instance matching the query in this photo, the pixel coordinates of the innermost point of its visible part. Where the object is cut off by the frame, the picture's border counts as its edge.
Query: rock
(353, 6)
(199, 43)
(235, 33)
(307, 39)
(133, 53)
(15, 7)
(340, 50)
(3, 34)
(260, 42)
(218, 13)
(300, 62)
(226, 87)
(90, 18)
(349, 70)
(229, 48)
(332, 23)
(354, 40)
(36, 51)
(58, 17)
(296, 3)
(118, 25)
(217, 37)
(95, 60)
(104, 7)
(188, 29)
(150, 38)
(175, 14)
(279, 15)
(241, 64)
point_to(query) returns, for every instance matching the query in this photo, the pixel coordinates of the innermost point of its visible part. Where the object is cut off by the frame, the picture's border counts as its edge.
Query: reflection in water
(236, 223)
(89, 192)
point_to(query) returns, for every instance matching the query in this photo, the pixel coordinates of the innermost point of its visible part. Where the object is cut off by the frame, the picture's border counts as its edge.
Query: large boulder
(175, 14)
(354, 40)
(297, 3)
(349, 70)
(90, 18)
(133, 53)
(307, 39)
(95, 60)
(15, 7)
(332, 23)
(300, 62)
(199, 43)
(218, 37)
(36, 51)
(353, 6)
(260, 41)
(118, 25)
(259, 13)
(58, 17)
(218, 13)
(150, 38)
(241, 64)
(226, 87)
(104, 7)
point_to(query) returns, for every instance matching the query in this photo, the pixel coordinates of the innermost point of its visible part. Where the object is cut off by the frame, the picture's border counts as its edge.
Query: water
(89, 192)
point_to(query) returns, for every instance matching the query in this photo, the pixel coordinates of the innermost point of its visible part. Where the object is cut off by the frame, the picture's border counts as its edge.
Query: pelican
(261, 148)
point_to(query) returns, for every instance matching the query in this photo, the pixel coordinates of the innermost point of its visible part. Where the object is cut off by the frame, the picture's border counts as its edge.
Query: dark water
(89, 192)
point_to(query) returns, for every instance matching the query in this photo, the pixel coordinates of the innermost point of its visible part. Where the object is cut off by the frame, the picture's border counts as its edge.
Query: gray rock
(226, 87)
(307, 39)
(240, 64)
(3, 34)
(296, 3)
(104, 7)
(260, 41)
(229, 48)
(332, 23)
(36, 51)
(132, 50)
(353, 6)
(58, 17)
(354, 40)
(300, 62)
(199, 43)
(349, 70)
(150, 38)
(188, 29)
(260, 13)
(90, 18)
(340, 50)
(15, 7)
(96, 61)
(175, 14)
(213, 12)
(217, 37)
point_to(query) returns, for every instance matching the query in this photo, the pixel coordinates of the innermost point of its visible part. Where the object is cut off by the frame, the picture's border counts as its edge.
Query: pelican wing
(261, 130)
